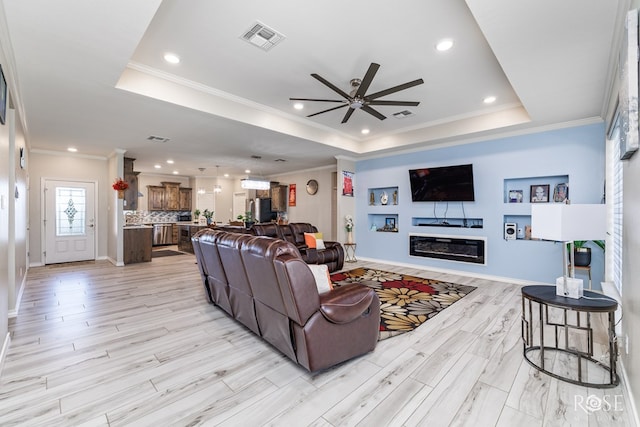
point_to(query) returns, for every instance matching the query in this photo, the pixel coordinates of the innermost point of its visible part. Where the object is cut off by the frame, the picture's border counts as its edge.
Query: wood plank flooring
(98, 345)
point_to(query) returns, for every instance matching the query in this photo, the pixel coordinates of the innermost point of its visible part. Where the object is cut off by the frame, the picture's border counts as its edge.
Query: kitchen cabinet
(175, 234)
(130, 194)
(156, 197)
(171, 196)
(185, 199)
(137, 244)
(279, 198)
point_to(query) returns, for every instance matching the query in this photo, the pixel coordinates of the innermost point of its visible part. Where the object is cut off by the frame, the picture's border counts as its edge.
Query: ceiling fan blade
(373, 112)
(394, 89)
(402, 103)
(348, 115)
(366, 81)
(319, 100)
(331, 86)
(326, 111)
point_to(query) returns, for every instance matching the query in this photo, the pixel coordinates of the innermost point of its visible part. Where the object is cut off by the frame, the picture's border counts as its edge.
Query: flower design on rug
(406, 301)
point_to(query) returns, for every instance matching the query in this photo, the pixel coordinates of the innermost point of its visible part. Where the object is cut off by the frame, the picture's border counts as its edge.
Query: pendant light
(217, 188)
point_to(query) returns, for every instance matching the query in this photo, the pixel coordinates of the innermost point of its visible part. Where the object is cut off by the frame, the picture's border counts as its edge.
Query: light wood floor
(99, 345)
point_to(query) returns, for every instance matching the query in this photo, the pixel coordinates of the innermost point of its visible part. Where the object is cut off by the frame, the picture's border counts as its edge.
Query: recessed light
(444, 45)
(157, 166)
(298, 105)
(489, 100)
(247, 171)
(171, 58)
(175, 172)
(72, 149)
(226, 175)
(365, 131)
(170, 161)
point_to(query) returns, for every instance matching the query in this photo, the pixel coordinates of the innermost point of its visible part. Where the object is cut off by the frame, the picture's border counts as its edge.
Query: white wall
(314, 209)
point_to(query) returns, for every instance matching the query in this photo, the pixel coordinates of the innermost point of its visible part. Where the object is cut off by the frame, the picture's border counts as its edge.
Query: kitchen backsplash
(142, 217)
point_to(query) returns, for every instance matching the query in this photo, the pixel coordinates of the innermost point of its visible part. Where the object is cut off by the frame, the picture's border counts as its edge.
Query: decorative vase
(349, 236)
(120, 194)
(582, 257)
(208, 221)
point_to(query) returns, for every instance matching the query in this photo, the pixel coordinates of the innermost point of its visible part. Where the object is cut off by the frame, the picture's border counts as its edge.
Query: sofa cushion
(321, 275)
(314, 240)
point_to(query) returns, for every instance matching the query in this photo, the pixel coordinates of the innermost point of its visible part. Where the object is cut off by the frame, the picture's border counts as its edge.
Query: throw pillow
(314, 240)
(321, 275)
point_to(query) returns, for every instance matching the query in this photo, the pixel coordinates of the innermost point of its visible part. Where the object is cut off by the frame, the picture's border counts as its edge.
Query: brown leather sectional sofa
(264, 284)
(332, 256)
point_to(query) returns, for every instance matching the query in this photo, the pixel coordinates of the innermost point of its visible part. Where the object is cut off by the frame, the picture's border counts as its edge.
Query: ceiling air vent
(153, 138)
(402, 114)
(262, 36)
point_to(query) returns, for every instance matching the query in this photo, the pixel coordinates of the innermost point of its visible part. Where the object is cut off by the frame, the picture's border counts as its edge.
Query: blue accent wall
(577, 152)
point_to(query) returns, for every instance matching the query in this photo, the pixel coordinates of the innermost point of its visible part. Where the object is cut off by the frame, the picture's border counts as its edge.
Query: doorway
(69, 221)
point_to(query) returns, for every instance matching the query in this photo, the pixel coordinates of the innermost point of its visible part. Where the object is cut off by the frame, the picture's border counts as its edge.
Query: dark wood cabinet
(184, 239)
(171, 196)
(130, 194)
(185, 199)
(279, 198)
(138, 242)
(156, 197)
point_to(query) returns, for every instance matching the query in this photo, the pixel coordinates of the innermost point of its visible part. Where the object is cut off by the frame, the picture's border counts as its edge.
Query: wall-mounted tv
(442, 184)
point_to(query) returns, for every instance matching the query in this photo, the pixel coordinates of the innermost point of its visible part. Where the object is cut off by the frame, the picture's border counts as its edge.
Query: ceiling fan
(357, 98)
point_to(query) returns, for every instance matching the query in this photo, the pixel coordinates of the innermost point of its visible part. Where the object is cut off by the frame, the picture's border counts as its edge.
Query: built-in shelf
(448, 222)
(383, 222)
(518, 190)
(378, 196)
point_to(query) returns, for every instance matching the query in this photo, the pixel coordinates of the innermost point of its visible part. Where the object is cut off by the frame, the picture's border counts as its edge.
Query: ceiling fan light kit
(357, 98)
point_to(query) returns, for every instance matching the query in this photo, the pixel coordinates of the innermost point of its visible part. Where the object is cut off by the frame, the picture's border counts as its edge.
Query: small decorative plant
(348, 223)
(196, 214)
(120, 184)
(208, 215)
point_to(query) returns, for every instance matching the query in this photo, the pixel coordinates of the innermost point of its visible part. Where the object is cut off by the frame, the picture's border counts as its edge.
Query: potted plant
(247, 218)
(196, 215)
(208, 215)
(582, 253)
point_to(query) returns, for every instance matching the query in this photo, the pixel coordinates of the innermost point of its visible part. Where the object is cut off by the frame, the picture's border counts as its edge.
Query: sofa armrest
(346, 303)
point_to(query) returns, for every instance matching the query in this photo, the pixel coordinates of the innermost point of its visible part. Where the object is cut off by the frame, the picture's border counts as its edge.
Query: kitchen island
(138, 240)
(186, 230)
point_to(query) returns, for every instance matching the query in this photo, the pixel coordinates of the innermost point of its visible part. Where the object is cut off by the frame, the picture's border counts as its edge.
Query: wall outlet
(626, 344)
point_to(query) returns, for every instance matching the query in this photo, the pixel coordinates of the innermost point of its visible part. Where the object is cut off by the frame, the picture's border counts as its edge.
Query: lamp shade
(565, 223)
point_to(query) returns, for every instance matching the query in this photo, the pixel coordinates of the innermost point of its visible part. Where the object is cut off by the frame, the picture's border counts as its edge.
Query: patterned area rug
(406, 301)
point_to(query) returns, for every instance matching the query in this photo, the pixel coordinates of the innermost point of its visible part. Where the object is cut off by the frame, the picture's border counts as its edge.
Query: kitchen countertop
(134, 226)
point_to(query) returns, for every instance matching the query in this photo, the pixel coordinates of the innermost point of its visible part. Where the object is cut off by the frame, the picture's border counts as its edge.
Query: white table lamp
(566, 223)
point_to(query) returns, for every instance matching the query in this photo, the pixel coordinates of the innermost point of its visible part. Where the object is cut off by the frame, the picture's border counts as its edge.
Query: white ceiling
(92, 75)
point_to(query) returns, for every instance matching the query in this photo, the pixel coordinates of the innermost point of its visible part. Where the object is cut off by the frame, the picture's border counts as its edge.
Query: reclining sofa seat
(332, 256)
(264, 284)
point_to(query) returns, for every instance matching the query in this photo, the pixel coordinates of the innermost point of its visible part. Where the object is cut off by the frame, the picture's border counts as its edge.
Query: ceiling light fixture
(170, 161)
(444, 45)
(298, 105)
(489, 100)
(175, 172)
(255, 183)
(157, 166)
(171, 58)
(72, 149)
(201, 190)
(365, 131)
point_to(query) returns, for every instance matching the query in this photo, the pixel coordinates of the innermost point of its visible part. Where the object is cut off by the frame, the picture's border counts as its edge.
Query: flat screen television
(442, 184)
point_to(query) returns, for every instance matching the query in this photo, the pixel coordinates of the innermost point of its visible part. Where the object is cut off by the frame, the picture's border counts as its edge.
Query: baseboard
(14, 313)
(5, 350)
(36, 264)
(625, 383)
(114, 262)
(456, 272)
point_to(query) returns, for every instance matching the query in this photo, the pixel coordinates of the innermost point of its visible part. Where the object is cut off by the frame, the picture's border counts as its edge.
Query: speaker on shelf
(510, 230)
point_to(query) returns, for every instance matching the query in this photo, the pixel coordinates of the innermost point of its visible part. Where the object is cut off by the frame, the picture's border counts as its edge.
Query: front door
(69, 221)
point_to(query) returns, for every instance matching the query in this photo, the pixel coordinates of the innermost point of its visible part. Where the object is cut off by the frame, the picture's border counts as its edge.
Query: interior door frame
(43, 209)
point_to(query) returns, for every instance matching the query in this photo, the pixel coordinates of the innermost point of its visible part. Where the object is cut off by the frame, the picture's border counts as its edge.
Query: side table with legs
(350, 252)
(558, 336)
